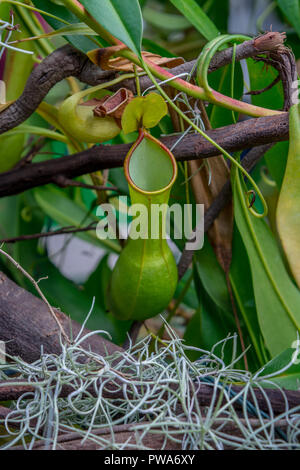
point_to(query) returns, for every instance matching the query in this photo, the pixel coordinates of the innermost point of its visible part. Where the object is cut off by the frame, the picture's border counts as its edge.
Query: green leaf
(291, 9)
(121, 18)
(213, 319)
(216, 307)
(9, 210)
(10, 227)
(290, 378)
(11, 150)
(217, 318)
(190, 298)
(97, 283)
(12, 146)
(66, 212)
(287, 212)
(16, 61)
(218, 12)
(209, 324)
(276, 159)
(20, 216)
(80, 42)
(277, 298)
(293, 43)
(143, 112)
(195, 14)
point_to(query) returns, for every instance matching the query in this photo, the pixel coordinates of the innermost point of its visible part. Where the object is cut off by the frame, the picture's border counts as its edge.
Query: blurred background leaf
(262, 288)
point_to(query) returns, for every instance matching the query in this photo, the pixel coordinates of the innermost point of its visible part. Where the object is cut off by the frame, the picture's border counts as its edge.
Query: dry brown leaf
(103, 58)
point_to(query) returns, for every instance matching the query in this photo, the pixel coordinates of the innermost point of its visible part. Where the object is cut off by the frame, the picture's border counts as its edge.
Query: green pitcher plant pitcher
(145, 276)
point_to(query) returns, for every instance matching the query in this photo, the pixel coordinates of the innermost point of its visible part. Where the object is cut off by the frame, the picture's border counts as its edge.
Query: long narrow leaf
(66, 212)
(28, 129)
(194, 13)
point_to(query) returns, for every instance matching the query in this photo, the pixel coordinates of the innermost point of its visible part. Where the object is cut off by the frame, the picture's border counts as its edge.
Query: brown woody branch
(243, 135)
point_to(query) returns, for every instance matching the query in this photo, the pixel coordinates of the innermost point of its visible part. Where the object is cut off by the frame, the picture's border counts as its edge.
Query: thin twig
(263, 90)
